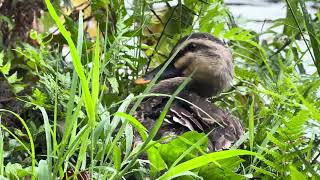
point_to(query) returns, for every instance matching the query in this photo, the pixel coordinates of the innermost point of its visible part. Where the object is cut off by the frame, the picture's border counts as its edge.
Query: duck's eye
(191, 46)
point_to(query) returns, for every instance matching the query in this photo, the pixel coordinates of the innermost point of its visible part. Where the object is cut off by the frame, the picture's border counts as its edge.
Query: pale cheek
(188, 71)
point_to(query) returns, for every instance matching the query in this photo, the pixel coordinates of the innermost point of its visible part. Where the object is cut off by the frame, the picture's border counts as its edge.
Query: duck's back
(192, 113)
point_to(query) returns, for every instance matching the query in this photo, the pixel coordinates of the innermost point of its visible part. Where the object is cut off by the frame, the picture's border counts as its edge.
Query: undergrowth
(77, 119)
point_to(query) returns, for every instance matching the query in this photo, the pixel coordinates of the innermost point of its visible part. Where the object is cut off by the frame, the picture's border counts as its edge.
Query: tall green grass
(274, 103)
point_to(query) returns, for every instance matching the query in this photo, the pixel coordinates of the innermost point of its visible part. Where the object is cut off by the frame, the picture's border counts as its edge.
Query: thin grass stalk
(251, 124)
(135, 123)
(33, 159)
(77, 64)
(16, 138)
(314, 43)
(113, 125)
(162, 33)
(83, 149)
(95, 87)
(153, 81)
(55, 115)
(69, 121)
(96, 71)
(48, 137)
(73, 147)
(1, 150)
(301, 32)
(84, 83)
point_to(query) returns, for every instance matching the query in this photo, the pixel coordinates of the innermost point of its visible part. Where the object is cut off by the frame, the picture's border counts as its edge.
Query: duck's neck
(203, 89)
(169, 86)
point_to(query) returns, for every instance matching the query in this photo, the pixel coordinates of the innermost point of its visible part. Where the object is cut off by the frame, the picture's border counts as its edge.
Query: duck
(209, 63)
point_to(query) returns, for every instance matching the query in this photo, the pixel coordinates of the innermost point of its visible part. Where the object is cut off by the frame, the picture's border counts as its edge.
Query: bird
(210, 64)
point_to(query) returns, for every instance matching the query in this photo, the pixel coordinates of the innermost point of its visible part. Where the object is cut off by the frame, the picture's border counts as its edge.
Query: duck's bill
(141, 81)
(169, 72)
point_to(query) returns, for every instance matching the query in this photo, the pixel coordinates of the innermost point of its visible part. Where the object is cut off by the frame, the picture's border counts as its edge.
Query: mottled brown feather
(183, 116)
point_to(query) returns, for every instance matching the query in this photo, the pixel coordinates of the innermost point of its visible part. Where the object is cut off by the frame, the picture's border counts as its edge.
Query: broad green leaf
(13, 78)
(43, 170)
(223, 169)
(6, 68)
(295, 174)
(176, 147)
(209, 158)
(156, 160)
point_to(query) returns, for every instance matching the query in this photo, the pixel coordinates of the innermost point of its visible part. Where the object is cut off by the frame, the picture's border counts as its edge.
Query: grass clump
(77, 119)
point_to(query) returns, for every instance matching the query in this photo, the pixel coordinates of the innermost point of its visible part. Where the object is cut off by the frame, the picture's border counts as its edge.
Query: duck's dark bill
(141, 81)
(169, 72)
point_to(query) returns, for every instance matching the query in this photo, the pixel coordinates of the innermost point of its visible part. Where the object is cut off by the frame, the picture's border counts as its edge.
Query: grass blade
(314, 43)
(251, 124)
(33, 159)
(43, 170)
(48, 137)
(208, 158)
(76, 62)
(1, 151)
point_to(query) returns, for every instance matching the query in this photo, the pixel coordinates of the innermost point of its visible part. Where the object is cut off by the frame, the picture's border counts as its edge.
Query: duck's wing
(201, 115)
(192, 113)
(224, 128)
(177, 120)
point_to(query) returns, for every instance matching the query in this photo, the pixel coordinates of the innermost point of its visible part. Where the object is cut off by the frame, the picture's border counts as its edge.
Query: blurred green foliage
(55, 136)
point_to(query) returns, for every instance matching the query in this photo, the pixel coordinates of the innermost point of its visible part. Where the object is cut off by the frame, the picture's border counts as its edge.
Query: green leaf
(18, 88)
(43, 170)
(6, 68)
(1, 58)
(11, 170)
(114, 84)
(295, 174)
(39, 98)
(263, 171)
(218, 29)
(251, 124)
(96, 71)
(209, 158)
(290, 29)
(134, 122)
(13, 78)
(176, 147)
(156, 160)
(223, 169)
(294, 127)
(275, 141)
(117, 157)
(315, 44)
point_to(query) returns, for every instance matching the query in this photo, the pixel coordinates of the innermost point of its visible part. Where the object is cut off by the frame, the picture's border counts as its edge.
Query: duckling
(210, 61)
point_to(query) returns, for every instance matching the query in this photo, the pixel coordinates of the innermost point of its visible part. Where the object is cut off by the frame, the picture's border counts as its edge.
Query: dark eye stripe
(190, 48)
(194, 46)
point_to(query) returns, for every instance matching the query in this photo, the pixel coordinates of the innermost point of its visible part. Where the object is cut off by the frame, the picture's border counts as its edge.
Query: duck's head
(203, 54)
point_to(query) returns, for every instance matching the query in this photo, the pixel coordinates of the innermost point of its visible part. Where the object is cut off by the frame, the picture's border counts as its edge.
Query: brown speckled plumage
(212, 63)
